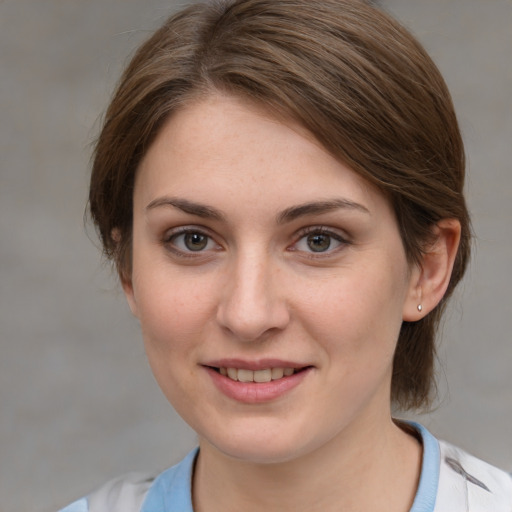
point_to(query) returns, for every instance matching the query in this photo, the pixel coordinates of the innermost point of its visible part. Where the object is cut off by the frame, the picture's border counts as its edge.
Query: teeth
(263, 375)
(266, 375)
(277, 373)
(245, 375)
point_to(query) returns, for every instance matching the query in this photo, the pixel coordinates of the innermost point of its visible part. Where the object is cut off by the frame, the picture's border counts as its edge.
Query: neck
(368, 469)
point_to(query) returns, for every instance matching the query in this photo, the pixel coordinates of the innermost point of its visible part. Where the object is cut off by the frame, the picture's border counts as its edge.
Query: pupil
(195, 241)
(319, 243)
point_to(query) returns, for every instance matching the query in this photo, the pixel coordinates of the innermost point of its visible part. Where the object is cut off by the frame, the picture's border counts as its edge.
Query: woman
(279, 184)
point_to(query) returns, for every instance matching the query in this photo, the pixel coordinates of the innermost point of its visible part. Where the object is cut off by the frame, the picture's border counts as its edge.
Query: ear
(124, 276)
(129, 293)
(429, 280)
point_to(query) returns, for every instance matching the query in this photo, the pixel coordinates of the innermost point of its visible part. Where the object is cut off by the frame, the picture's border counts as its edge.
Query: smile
(256, 383)
(265, 375)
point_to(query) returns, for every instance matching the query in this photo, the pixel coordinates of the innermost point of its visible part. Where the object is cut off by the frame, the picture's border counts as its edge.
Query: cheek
(173, 312)
(174, 318)
(359, 311)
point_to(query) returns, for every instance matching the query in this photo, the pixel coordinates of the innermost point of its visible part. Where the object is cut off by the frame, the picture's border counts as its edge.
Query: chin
(260, 447)
(256, 453)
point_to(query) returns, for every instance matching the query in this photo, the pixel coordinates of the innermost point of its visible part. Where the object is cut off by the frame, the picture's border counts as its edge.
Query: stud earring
(420, 307)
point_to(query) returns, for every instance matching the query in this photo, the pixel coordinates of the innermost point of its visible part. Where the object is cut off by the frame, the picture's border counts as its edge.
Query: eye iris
(318, 242)
(195, 241)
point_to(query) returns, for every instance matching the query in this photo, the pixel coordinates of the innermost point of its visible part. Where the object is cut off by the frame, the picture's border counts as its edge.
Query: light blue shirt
(171, 491)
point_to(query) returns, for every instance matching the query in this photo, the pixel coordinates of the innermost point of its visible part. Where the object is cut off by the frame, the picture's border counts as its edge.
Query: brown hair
(350, 74)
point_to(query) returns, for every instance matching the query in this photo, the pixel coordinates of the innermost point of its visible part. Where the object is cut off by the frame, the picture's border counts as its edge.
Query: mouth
(258, 376)
(256, 382)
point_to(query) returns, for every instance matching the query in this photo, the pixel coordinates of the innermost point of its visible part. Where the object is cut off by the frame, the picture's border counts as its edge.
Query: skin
(234, 178)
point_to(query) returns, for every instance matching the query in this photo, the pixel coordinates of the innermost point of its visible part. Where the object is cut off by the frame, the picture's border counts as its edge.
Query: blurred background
(78, 404)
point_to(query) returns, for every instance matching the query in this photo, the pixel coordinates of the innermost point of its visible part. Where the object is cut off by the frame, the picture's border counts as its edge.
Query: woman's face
(269, 280)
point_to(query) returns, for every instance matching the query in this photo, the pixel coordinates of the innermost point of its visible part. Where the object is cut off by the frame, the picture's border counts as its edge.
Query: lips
(258, 382)
(264, 375)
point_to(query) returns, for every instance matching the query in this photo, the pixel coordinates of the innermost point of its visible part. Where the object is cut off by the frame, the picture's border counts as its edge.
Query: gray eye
(195, 241)
(319, 242)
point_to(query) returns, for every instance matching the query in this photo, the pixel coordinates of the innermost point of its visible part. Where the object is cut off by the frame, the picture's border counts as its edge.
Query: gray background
(78, 404)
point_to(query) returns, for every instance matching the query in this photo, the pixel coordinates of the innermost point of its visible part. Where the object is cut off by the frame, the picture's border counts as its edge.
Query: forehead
(224, 147)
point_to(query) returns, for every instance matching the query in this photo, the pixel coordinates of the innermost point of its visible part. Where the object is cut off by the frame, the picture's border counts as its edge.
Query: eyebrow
(319, 207)
(287, 215)
(200, 210)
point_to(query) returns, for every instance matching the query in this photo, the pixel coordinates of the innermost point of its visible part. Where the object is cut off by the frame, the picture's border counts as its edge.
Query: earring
(420, 307)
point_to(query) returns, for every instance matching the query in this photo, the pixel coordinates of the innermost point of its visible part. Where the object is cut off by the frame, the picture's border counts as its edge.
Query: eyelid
(336, 234)
(172, 233)
(179, 230)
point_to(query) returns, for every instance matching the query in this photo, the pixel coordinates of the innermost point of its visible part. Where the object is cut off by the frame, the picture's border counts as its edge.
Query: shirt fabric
(450, 481)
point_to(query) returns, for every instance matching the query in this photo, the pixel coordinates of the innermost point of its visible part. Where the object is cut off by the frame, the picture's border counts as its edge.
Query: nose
(252, 305)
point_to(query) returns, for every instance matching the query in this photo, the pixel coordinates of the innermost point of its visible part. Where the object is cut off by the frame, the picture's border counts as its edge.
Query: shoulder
(468, 483)
(122, 494)
(452, 480)
(76, 506)
(170, 491)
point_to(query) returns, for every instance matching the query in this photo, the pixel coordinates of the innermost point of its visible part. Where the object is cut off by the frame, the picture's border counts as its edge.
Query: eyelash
(169, 240)
(320, 230)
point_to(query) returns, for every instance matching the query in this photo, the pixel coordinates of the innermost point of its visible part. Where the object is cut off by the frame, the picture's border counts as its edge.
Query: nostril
(252, 322)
